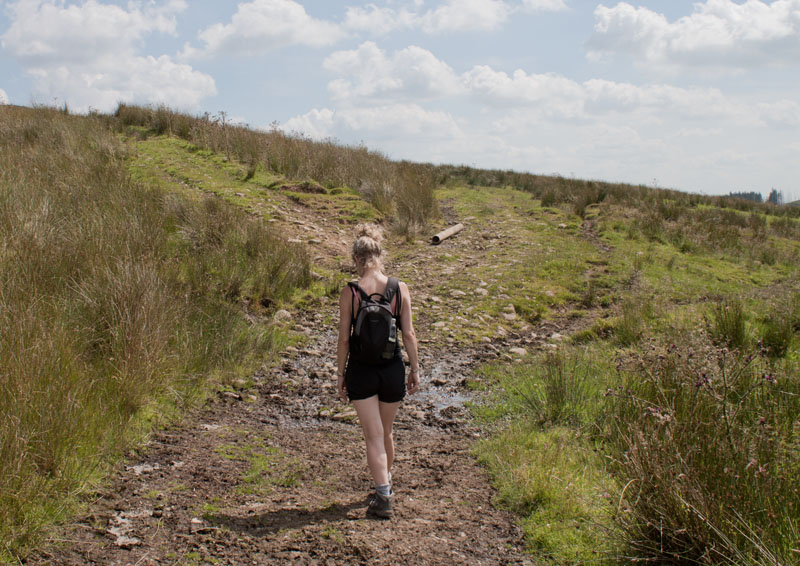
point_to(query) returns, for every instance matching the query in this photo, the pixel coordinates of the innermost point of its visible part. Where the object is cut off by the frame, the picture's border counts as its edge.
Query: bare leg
(388, 412)
(369, 415)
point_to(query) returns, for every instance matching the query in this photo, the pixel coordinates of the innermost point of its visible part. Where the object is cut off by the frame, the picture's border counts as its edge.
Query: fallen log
(444, 234)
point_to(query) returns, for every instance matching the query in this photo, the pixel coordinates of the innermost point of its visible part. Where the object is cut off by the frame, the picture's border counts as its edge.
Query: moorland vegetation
(666, 428)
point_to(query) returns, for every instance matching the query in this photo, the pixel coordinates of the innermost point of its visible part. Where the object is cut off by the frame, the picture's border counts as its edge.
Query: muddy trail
(273, 470)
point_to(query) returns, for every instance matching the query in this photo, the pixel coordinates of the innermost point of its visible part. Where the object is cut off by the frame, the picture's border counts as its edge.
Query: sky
(699, 96)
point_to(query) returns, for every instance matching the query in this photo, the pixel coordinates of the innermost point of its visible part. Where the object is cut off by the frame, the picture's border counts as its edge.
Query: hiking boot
(380, 506)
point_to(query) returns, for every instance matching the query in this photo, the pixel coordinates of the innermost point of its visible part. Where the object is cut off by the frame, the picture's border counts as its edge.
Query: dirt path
(259, 477)
(275, 472)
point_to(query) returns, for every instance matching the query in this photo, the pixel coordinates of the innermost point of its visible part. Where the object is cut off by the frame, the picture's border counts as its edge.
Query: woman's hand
(341, 387)
(412, 383)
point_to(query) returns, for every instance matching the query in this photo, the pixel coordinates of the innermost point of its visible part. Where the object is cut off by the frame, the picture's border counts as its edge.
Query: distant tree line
(775, 196)
(752, 195)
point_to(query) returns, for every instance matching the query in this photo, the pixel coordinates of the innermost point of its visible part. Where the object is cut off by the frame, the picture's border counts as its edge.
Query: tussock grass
(116, 302)
(705, 442)
(400, 189)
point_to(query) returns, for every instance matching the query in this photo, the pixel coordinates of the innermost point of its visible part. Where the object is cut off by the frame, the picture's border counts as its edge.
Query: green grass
(121, 304)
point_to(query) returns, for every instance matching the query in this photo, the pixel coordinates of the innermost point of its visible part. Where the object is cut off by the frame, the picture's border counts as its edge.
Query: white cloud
(369, 76)
(380, 121)
(466, 15)
(451, 16)
(4, 97)
(87, 55)
(263, 25)
(544, 5)
(368, 73)
(718, 34)
(379, 20)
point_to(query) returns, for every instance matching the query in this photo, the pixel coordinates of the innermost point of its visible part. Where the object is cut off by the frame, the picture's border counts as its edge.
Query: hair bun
(372, 231)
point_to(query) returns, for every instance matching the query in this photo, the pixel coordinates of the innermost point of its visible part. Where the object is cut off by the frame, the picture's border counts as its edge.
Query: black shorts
(388, 381)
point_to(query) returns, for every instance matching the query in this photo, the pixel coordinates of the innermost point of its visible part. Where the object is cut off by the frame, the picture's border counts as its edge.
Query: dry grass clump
(705, 446)
(112, 297)
(401, 189)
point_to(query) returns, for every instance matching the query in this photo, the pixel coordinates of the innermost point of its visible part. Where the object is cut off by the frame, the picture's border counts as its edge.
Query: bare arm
(409, 339)
(343, 345)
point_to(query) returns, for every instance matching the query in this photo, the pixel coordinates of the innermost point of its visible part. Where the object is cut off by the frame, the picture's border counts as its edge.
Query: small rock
(344, 417)
(144, 468)
(562, 226)
(282, 314)
(518, 351)
(232, 395)
(438, 381)
(440, 324)
(458, 293)
(510, 316)
(127, 542)
(419, 415)
(556, 336)
(210, 426)
(481, 291)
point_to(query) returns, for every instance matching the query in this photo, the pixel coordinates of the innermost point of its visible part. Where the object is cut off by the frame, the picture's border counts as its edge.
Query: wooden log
(444, 234)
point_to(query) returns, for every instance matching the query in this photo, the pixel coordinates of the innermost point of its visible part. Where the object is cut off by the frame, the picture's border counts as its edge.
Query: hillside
(543, 326)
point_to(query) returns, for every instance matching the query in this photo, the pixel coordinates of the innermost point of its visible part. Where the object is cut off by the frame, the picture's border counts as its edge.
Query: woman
(376, 390)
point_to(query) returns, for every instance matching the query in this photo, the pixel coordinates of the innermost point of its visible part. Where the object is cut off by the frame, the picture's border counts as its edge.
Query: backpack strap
(393, 290)
(362, 295)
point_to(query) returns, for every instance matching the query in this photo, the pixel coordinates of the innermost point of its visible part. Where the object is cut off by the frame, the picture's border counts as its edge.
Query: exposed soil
(275, 471)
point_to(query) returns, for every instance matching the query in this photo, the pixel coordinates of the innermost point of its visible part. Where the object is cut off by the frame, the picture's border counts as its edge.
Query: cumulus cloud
(381, 121)
(449, 17)
(379, 20)
(4, 97)
(263, 25)
(368, 73)
(719, 34)
(465, 15)
(88, 55)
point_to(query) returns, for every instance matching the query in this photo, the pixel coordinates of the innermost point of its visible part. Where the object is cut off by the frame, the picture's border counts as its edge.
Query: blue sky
(700, 96)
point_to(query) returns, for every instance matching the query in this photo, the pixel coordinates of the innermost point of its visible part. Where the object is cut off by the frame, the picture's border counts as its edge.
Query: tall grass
(400, 189)
(113, 298)
(704, 442)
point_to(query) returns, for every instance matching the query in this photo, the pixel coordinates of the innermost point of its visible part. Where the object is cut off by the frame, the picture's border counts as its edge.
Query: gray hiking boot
(380, 506)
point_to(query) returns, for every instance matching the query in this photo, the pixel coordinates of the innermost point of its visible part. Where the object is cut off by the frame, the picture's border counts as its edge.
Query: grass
(654, 461)
(120, 302)
(402, 190)
(127, 265)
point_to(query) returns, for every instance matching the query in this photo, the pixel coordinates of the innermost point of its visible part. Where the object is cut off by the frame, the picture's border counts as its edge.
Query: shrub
(726, 323)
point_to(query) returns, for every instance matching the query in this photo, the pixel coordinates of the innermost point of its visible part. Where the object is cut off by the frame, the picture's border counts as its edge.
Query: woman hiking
(375, 384)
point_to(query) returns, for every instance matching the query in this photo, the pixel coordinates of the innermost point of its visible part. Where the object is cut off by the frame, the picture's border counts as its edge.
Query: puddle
(441, 398)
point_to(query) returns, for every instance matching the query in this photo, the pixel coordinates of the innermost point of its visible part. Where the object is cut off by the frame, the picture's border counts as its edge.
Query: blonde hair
(367, 250)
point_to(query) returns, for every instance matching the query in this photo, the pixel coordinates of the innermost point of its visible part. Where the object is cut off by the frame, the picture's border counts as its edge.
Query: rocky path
(275, 473)
(274, 470)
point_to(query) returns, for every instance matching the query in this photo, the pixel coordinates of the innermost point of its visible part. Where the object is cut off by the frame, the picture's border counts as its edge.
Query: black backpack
(373, 335)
